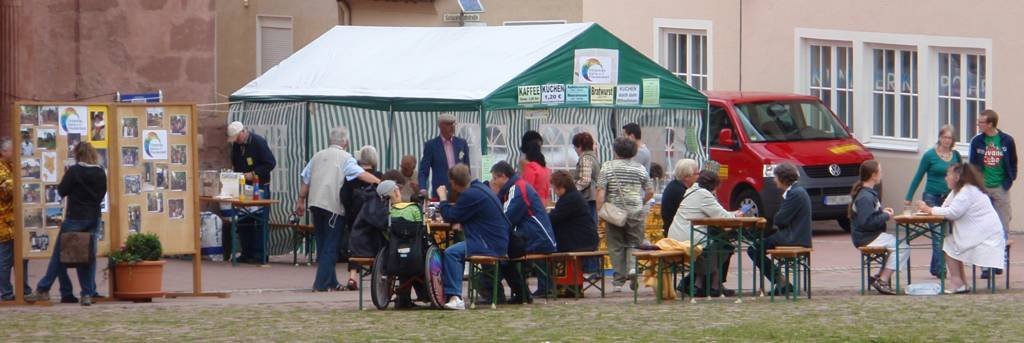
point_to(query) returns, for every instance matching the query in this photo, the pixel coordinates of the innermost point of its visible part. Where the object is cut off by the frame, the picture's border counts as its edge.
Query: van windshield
(797, 120)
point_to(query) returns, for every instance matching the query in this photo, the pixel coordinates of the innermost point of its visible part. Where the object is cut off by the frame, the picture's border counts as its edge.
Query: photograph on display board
(134, 218)
(29, 115)
(132, 185)
(32, 218)
(129, 156)
(30, 193)
(39, 241)
(30, 168)
(178, 181)
(74, 119)
(155, 202)
(103, 157)
(48, 167)
(178, 125)
(53, 216)
(28, 142)
(154, 116)
(51, 194)
(148, 176)
(176, 208)
(178, 154)
(73, 140)
(48, 115)
(98, 129)
(46, 138)
(130, 127)
(161, 176)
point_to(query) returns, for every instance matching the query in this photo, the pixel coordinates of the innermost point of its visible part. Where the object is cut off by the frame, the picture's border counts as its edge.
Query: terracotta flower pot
(139, 281)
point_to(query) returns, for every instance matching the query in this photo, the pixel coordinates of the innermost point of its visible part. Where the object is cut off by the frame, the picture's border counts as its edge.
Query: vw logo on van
(834, 169)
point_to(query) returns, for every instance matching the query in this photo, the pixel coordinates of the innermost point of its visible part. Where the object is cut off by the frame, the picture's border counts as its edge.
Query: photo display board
(157, 178)
(149, 153)
(44, 143)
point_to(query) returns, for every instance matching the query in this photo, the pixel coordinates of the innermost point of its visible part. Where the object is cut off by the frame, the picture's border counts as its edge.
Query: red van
(750, 132)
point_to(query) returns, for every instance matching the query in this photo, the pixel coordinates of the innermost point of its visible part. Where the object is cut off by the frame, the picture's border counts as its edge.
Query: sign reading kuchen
(627, 94)
(529, 95)
(553, 94)
(596, 66)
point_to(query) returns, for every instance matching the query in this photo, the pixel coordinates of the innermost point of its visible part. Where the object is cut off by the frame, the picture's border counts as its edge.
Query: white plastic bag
(924, 289)
(210, 232)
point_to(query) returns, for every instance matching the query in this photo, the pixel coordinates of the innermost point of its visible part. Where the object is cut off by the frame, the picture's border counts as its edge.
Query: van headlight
(769, 170)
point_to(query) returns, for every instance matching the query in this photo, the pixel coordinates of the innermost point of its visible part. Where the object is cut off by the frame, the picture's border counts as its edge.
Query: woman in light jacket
(699, 201)
(977, 237)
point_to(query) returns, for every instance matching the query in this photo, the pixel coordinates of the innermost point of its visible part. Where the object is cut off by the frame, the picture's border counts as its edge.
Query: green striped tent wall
(283, 124)
(365, 127)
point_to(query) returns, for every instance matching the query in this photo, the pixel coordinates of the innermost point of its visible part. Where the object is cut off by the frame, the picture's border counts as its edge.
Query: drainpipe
(9, 23)
(346, 17)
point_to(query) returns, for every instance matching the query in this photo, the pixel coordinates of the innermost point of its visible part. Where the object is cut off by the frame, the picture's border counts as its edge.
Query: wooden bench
(548, 261)
(366, 268)
(587, 283)
(476, 263)
(799, 260)
(868, 256)
(659, 260)
(301, 233)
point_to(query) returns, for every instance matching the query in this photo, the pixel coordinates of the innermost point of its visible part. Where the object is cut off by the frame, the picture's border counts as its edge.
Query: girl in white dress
(977, 237)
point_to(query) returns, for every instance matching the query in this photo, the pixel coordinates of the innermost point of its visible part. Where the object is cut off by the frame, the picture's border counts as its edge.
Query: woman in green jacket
(934, 163)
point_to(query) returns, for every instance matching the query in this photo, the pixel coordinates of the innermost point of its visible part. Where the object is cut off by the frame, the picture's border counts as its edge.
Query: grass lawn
(829, 318)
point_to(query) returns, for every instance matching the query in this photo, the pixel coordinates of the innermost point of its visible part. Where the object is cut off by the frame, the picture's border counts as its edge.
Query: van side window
(719, 120)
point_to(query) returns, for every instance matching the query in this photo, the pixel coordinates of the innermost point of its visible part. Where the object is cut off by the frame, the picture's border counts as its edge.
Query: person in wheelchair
(405, 246)
(486, 229)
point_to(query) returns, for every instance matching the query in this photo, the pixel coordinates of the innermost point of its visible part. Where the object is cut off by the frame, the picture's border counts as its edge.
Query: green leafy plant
(138, 247)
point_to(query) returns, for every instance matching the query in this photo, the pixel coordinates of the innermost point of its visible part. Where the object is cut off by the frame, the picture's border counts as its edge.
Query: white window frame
(833, 88)
(473, 141)
(665, 26)
(967, 120)
(897, 93)
(927, 48)
(273, 21)
(533, 22)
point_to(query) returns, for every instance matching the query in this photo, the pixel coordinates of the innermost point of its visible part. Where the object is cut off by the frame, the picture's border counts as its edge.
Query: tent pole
(483, 132)
(707, 133)
(391, 130)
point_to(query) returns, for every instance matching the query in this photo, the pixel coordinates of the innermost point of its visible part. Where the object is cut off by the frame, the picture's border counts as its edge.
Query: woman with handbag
(623, 187)
(84, 185)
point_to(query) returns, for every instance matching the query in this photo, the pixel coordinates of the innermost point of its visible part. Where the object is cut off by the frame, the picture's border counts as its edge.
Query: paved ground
(834, 266)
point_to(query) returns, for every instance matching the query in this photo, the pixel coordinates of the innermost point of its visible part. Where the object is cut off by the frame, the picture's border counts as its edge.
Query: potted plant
(138, 268)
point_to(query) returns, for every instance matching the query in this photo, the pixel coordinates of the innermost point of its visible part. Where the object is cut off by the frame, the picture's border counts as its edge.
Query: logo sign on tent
(529, 95)
(577, 94)
(627, 94)
(553, 94)
(602, 94)
(596, 66)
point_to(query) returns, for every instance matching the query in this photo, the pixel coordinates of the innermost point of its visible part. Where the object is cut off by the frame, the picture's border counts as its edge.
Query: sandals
(352, 285)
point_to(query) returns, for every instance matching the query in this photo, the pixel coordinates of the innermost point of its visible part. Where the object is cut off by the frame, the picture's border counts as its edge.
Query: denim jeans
(86, 274)
(933, 200)
(6, 270)
(250, 232)
(454, 265)
(327, 228)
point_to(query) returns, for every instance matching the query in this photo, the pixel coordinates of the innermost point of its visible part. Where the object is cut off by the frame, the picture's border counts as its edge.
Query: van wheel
(844, 223)
(748, 197)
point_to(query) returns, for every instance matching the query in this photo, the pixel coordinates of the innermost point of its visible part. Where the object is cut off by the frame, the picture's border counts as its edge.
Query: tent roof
(456, 67)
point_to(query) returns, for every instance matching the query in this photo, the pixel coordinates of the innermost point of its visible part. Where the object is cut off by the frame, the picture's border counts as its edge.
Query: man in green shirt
(995, 154)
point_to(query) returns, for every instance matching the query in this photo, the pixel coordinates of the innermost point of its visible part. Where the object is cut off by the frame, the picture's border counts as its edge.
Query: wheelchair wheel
(382, 287)
(432, 273)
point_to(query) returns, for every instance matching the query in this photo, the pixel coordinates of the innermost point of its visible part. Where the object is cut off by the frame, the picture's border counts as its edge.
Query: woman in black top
(367, 158)
(574, 228)
(84, 185)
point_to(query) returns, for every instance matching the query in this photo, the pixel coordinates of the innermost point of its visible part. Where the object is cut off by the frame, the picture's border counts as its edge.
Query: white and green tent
(387, 85)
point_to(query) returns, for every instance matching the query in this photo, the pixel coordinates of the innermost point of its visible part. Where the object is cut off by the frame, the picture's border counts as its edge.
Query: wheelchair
(387, 282)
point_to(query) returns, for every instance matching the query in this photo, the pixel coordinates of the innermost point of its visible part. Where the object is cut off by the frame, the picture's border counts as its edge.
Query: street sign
(467, 17)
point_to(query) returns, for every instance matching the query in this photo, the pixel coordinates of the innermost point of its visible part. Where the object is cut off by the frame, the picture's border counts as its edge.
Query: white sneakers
(455, 303)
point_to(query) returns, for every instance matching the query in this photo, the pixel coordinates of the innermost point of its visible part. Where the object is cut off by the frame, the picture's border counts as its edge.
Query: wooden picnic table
(918, 225)
(242, 211)
(738, 224)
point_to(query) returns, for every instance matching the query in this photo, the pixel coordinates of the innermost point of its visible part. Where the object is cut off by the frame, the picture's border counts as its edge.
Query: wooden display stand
(149, 151)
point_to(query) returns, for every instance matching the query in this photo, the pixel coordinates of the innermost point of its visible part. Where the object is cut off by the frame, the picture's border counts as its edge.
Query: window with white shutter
(273, 41)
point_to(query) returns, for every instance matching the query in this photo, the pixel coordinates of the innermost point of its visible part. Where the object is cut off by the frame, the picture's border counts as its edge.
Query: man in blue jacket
(529, 218)
(486, 229)
(793, 221)
(251, 156)
(995, 154)
(440, 154)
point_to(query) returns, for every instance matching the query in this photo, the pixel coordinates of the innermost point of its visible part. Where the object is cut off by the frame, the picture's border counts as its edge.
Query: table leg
(657, 283)
(897, 259)
(739, 266)
(265, 221)
(760, 244)
(693, 290)
(942, 264)
(234, 236)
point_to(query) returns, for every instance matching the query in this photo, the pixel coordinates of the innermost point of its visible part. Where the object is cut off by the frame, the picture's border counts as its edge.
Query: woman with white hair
(684, 174)
(368, 159)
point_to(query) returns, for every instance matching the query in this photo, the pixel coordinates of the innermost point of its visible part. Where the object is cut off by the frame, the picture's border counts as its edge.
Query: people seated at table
(684, 175)
(487, 232)
(699, 201)
(529, 219)
(977, 237)
(793, 224)
(574, 231)
(868, 219)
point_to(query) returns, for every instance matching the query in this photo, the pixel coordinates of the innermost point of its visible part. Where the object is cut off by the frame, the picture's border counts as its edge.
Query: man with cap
(251, 156)
(322, 179)
(440, 154)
